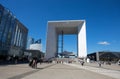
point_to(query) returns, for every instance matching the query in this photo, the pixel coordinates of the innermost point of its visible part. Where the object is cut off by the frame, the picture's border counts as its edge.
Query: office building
(104, 56)
(30, 41)
(13, 34)
(36, 47)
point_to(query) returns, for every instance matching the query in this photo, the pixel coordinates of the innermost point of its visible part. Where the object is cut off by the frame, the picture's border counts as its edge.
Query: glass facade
(13, 34)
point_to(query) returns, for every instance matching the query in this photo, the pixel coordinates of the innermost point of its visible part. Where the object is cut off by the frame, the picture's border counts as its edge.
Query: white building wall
(82, 48)
(36, 47)
(51, 46)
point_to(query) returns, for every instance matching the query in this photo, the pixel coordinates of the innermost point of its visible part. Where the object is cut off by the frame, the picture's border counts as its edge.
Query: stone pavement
(101, 70)
(61, 71)
(111, 67)
(50, 71)
(19, 71)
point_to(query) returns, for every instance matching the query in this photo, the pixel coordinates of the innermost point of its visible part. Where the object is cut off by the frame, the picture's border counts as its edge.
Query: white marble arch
(68, 27)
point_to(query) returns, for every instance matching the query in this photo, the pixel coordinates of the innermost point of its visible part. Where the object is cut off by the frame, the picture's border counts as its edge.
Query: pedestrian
(41, 60)
(99, 64)
(34, 62)
(82, 63)
(30, 62)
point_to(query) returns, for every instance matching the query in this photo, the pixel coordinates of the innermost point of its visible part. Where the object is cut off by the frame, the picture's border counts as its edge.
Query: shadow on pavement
(30, 72)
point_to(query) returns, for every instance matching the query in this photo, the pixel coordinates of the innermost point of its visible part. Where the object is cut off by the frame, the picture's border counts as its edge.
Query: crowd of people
(34, 61)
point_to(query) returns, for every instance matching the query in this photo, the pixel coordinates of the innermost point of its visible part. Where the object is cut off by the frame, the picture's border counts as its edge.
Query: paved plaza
(57, 71)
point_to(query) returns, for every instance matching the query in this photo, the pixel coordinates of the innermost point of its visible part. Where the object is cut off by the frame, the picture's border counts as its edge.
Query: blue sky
(102, 20)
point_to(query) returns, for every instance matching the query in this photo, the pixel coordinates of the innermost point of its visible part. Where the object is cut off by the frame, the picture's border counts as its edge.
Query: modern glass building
(110, 56)
(13, 34)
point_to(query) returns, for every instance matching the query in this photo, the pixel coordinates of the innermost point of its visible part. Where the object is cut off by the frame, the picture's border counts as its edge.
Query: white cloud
(103, 43)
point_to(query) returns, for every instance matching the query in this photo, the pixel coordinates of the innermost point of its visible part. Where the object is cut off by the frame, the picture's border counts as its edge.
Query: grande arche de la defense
(55, 28)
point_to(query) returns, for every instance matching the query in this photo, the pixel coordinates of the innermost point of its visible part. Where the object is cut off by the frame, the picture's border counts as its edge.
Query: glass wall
(12, 32)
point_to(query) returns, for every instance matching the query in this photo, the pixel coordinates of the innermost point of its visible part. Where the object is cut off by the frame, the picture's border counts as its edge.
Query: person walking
(82, 63)
(99, 64)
